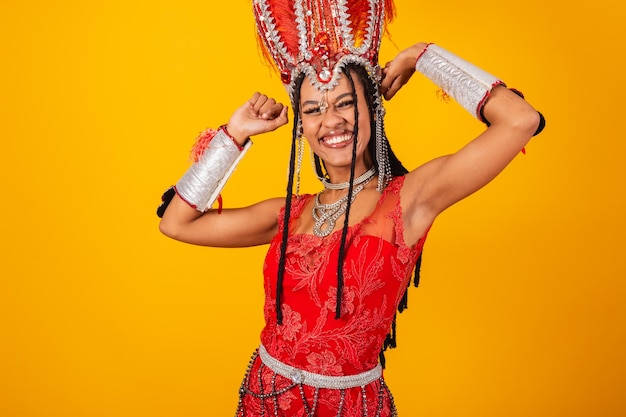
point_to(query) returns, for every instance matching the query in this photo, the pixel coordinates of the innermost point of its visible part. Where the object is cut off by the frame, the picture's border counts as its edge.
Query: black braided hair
(287, 216)
(397, 169)
(344, 232)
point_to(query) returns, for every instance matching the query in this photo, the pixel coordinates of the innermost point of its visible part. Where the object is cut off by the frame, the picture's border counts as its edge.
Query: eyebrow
(317, 102)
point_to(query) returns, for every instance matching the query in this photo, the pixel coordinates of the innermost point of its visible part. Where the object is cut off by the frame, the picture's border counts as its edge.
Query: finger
(386, 87)
(277, 110)
(388, 95)
(389, 76)
(397, 83)
(393, 88)
(258, 104)
(252, 101)
(284, 114)
(270, 109)
(282, 118)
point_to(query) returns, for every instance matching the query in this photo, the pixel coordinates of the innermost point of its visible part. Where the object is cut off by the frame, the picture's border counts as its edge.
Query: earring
(300, 144)
(382, 148)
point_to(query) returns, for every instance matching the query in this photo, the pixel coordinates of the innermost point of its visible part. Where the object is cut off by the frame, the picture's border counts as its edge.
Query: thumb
(282, 118)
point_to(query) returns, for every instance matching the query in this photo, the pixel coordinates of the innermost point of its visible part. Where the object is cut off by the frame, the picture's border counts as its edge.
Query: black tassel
(404, 302)
(391, 339)
(381, 358)
(166, 199)
(388, 343)
(418, 267)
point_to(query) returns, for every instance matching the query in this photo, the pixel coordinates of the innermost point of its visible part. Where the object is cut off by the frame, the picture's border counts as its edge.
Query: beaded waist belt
(300, 376)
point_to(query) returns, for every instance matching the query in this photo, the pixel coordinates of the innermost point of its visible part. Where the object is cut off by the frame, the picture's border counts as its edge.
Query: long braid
(344, 232)
(318, 166)
(287, 216)
(397, 169)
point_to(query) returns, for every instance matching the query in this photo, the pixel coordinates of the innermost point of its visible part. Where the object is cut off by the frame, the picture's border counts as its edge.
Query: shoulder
(418, 188)
(395, 185)
(297, 204)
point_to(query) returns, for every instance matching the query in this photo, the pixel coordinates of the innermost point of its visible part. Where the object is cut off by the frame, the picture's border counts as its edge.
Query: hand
(398, 72)
(260, 114)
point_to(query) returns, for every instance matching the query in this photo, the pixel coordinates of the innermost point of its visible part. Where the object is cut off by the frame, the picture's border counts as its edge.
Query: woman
(338, 267)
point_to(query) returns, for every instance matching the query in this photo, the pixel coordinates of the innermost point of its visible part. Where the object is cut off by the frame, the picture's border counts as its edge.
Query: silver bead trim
(300, 376)
(304, 11)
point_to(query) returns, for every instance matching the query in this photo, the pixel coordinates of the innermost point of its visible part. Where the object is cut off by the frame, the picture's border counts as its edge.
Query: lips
(335, 140)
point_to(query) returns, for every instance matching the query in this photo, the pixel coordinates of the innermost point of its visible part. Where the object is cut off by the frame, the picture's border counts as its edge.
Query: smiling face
(328, 124)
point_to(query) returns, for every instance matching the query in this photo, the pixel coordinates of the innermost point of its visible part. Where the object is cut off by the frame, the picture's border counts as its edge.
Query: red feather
(284, 20)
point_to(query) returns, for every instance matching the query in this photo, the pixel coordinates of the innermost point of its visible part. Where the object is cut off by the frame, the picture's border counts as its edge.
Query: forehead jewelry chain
(326, 215)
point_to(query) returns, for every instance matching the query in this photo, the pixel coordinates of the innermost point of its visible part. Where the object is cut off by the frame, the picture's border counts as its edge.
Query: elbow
(164, 227)
(523, 121)
(168, 229)
(528, 122)
(511, 111)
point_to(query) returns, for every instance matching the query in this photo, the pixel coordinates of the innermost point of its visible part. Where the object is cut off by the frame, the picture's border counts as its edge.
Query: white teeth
(337, 139)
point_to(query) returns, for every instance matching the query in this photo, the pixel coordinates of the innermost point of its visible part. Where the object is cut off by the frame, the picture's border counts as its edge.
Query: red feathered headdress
(319, 37)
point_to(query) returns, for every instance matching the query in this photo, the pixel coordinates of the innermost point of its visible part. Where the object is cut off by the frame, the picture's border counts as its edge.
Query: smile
(336, 140)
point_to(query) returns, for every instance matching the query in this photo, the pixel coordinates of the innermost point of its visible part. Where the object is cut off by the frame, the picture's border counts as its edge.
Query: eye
(311, 110)
(345, 104)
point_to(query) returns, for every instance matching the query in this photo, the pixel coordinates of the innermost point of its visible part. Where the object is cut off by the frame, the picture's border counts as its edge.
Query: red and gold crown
(320, 37)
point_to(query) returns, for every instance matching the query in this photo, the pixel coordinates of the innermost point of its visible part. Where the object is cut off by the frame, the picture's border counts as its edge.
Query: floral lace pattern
(378, 266)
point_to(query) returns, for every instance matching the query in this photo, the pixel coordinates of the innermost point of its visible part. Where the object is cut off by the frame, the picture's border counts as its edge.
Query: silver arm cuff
(465, 83)
(205, 179)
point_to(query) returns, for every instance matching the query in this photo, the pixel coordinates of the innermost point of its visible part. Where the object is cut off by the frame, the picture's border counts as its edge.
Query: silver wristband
(465, 83)
(205, 179)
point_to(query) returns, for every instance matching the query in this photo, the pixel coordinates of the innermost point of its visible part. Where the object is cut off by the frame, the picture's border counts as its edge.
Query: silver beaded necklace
(326, 215)
(343, 185)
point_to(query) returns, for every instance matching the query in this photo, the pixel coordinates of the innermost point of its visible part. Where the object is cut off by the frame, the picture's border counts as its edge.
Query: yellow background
(521, 309)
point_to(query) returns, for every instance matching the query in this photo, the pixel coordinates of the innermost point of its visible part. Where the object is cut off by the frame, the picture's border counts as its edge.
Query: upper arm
(239, 227)
(444, 181)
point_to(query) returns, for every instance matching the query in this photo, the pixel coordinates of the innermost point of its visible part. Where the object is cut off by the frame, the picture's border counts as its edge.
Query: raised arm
(188, 217)
(438, 184)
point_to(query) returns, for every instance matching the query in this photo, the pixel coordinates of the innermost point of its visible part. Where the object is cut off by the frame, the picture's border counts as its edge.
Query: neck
(360, 179)
(342, 175)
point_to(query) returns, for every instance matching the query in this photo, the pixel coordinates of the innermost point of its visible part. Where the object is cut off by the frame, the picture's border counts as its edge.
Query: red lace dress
(378, 266)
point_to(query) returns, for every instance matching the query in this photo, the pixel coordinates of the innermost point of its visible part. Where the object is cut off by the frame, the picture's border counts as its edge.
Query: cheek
(309, 128)
(365, 129)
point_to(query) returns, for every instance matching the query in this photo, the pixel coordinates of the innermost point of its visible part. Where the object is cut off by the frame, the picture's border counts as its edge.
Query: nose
(332, 117)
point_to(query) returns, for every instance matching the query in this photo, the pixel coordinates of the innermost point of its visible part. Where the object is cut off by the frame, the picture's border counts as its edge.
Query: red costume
(377, 271)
